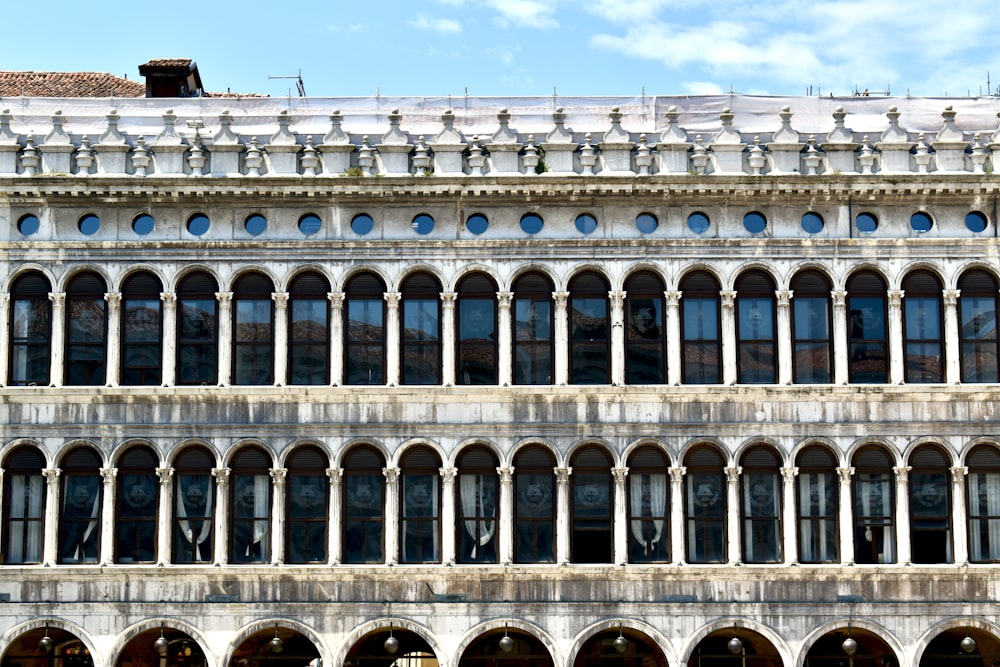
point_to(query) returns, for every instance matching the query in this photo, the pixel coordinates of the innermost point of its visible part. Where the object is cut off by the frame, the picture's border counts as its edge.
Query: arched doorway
(735, 647)
(275, 647)
(391, 647)
(967, 647)
(620, 647)
(851, 648)
(506, 647)
(47, 647)
(161, 647)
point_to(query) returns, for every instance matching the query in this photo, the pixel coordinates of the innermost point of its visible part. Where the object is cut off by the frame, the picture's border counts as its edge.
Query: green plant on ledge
(354, 172)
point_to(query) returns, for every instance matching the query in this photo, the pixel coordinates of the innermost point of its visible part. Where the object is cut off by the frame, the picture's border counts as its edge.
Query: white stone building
(639, 381)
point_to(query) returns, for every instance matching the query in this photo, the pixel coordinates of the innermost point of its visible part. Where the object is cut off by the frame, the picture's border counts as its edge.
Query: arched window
(420, 338)
(476, 351)
(984, 504)
(818, 489)
(648, 503)
(253, 330)
(420, 506)
(593, 507)
(250, 507)
(364, 330)
(812, 344)
(30, 330)
(306, 502)
(701, 333)
(197, 330)
(23, 506)
(309, 330)
(930, 506)
(80, 509)
(705, 494)
(978, 308)
(874, 507)
(867, 332)
(533, 331)
(142, 330)
(478, 506)
(923, 343)
(364, 506)
(535, 506)
(86, 330)
(757, 344)
(137, 502)
(645, 338)
(589, 329)
(760, 486)
(193, 506)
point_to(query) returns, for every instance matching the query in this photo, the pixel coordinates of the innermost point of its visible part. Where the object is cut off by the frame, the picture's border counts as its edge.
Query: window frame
(645, 340)
(367, 290)
(533, 354)
(199, 289)
(250, 464)
(530, 470)
(754, 527)
(476, 288)
(751, 295)
(869, 471)
(85, 358)
(693, 348)
(28, 520)
(193, 461)
(130, 467)
(587, 534)
(149, 375)
(420, 300)
(978, 286)
(253, 357)
(310, 463)
(77, 465)
(805, 289)
(478, 464)
(309, 287)
(589, 353)
(916, 290)
(367, 463)
(712, 527)
(858, 343)
(422, 527)
(818, 523)
(31, 350)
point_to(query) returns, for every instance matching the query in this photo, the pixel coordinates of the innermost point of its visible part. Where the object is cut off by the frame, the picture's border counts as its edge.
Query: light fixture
(621, 644)
(968, 645)
(45, 644)
(506, 643)
(735, 644)
(276, 645)
(161, 644)
(391, 644)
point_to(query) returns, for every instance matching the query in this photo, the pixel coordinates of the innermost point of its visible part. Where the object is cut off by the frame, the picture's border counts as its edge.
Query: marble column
(112, 375)
(164, 533)
(902, 532)
(391, 515)
(107, 546)
(959, 515)
(673, 324)
(561, 332)
(335, 545)
(562, 514)
(895, 342)
(221, 515)
(505, 344)
(448, 338)
(617, 300)
(841, 373)
(728, 337)
(620, 519)
(952, 340)
(58, 300)
(225, 360)
(280, 338)
(506, 520)
(169, 370)
(392, 336)
(846, 516)
(733, 514)
(336, 337)
(51, 524)
(784, 298)
(278, 477)
(448, 514)
(789, 520)
(677, 500)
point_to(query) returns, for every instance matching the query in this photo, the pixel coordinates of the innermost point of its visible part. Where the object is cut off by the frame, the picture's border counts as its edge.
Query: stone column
(952, 342)
(673, 324)
(169, 300)
(505, 525)
(959, 515)
(4, 339)
(840, 341)
(561, 332)
(280, 338)
(391, 515)
(505, 344)
(677, 552)
(334, 532)
(902, 532)
(846, 518)
(164, 533)
(620, 518)
(107, 546)
(225, 361)
(789, 520)
(50, 554)
(784, 298)
(733, 514)
(728, 337)
(896, 375)
(448, 514)
(336, 337)
(617, 369)
(221, 515)
(58, 300)
(278, 476)
(112, 376)
(392, 336)
(448, 338)
(562, 514)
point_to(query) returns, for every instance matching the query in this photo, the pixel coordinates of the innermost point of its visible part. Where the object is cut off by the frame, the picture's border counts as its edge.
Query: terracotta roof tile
(68, 84)
(168, 62)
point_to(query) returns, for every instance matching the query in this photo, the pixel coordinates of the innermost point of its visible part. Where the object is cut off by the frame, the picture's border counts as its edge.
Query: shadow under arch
(965, 643)
(162, 646)
(47, 644)
(735, 646)
(855, 646)
(507, 646)
(619, 645)
(388, 643)
(278, 644)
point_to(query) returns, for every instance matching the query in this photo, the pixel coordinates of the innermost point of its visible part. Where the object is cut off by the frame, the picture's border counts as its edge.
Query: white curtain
(25, 537)
(876, 487)
(656, 486)
(261, 508)
(814, 540)
(185, 525)
(95, 512)
(984, 486)
(473, 489)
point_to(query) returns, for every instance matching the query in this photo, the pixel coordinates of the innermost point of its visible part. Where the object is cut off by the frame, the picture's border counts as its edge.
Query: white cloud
(453, 3)
(353, 27)
(436, 25)
(525, 13)
(627, 11)
(703, 88)
(505, 53)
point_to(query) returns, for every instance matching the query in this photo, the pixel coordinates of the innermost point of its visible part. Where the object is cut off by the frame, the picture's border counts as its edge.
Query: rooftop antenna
(299, 84)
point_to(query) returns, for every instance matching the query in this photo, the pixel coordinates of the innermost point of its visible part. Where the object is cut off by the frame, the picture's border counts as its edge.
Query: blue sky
(525, 47)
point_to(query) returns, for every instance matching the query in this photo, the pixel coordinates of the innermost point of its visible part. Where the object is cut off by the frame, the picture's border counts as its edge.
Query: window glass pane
(874, 538)
(477, 512)
(817, 517)
(644, 341)
(363, 519)
(308, 350)
(761, 517)
(252, 342)
(930, 514)
(705, 517)
(979, 338)
(251, 519)
(307, 508)
(984, 516)
(136, 521)
(85, 319)
(589, 340)
(419, 519)
(535, 519)
(868, 352)
(421, 351)
(648, 529)
(197, 348)
(30, 331)
(25, 514)
(591, 537)
(80, 518)
(477, 362)
(194, 496)
(365, 361)
(141, 351)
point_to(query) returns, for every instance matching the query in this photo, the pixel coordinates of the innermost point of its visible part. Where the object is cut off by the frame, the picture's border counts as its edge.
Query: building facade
(639, 381)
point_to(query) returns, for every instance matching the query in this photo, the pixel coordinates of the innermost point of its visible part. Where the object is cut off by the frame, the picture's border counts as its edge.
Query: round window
(698, 223)
(812, 223)
(143, 224)
(646, 223)
(28, 224)
(976, 221)
(921, 222)
(362, 224)
(531, 223)
(255, 224)
(866, 222)
(310, 224)
(89, 224)
(754, 222)
(586, 223)
(477, 223)
(423, 224)
(198, 224)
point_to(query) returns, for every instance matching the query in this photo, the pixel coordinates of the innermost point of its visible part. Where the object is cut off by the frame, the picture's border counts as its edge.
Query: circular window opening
(423, 224)
(477, 223)
(531, 223)
(198, 224)
(646, 223)
(143, 224)
(921, 222)
(586, 223)
(698, 223)
(362, 224)
(310, 224)
(255, 224)
(812, 223)
(754, 222)
(974, 221)
(28, 224)
(89, 224)
(866, 222)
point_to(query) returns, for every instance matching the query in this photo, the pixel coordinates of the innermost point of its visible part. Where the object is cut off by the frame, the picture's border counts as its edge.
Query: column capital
(845, 474)
(448, 300)
(617, 298)
(278, 475)
(895, 297)
(673, 298)
(221, 475)
(448, 474)
(951, 296)
(733, 473)
(728, 298)
(58, 299)
(109, 475)
(620, 474)
(959, 473)
(391, 474)
(392, 298)
(224, 298)
(561, 298)
(504, 299)
(336, 475)
(51, 475)
(4, 299)
(562, 474)
(677, 473)
(113, 299)
(902, 473)
(280, 300)
(790, 473)
(166, 475)
(784, 297)
(336, 299)
(839, 298)
(169, 299)
(506, 474)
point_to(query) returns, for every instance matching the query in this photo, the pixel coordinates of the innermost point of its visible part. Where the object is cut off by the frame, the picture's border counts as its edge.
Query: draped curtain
(984, 515)
(25, 535)
(656, 487)
(473, 491)
(186, 482)
(261, 512)
(876, 507)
